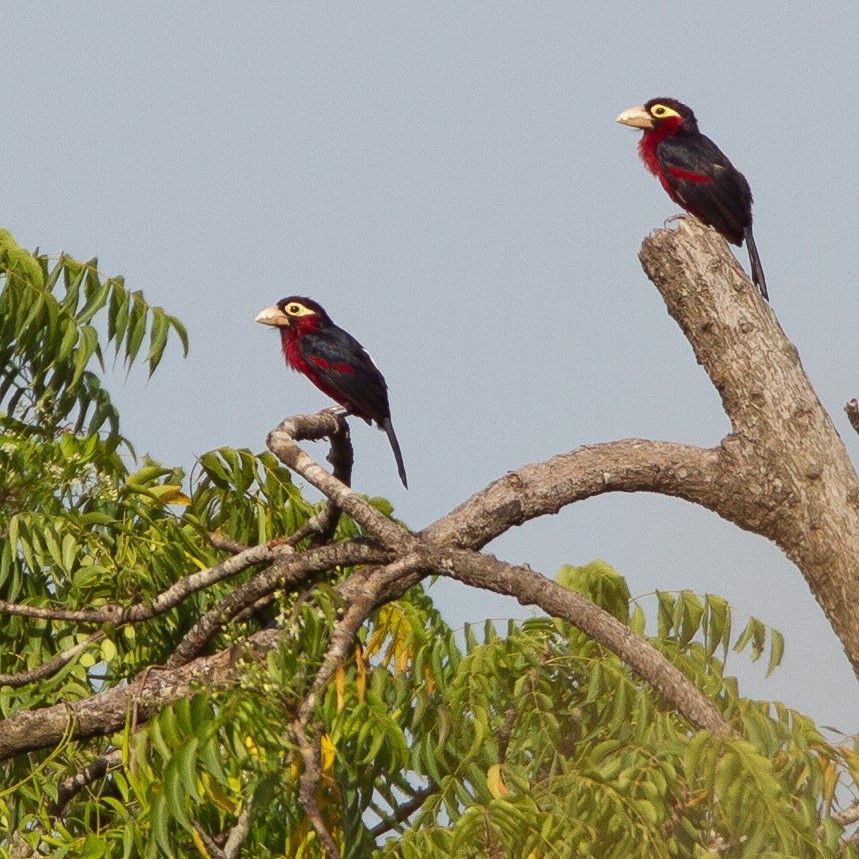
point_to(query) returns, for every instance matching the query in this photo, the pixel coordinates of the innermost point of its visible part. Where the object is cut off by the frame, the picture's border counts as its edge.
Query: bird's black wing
(706, 183)
(339, 365)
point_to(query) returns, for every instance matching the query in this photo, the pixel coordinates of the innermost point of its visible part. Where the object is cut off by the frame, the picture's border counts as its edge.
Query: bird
(335, 362)
(696, 174)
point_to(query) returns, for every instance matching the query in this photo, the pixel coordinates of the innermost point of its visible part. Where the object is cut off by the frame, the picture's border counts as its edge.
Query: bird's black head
(295, 312)
(670, 110)
(297, 306)
(666, 114)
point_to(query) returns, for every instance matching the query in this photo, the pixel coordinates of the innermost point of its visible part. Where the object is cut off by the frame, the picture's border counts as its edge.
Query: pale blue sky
(448, 180)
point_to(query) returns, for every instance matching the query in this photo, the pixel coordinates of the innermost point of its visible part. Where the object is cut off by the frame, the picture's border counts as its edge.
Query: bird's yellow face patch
(282, 314)
(649, 116)
(662, 111)
(297, 309)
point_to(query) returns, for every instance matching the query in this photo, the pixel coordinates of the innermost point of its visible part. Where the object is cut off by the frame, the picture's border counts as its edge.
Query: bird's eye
(663, 111)
(296, 309)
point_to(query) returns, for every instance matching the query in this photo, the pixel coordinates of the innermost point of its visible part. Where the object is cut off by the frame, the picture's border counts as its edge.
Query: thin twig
(162, 603)
(363, 596)
(52, 666)
(210, 843)
(404, 811)
(505, 732)
(70, 787)
(290, 569)
(225, 544)
(239, 833)
(848, 816)
(322, 525)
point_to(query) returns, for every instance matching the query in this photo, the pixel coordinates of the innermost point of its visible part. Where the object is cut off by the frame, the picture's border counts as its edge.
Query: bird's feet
(678, 217)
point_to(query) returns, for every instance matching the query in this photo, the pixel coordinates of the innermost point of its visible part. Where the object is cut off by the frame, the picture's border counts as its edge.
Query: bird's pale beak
(272, 316)
(637, 117)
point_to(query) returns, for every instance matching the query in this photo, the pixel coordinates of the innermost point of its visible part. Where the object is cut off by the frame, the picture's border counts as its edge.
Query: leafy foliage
(48, 343)
(532, 741)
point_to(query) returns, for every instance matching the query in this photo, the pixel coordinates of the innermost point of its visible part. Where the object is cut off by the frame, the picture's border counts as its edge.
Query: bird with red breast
(696, 174)
(334, 361)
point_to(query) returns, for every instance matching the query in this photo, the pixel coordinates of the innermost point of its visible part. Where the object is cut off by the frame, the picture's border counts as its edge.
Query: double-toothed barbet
(696, 173)
(334, 361)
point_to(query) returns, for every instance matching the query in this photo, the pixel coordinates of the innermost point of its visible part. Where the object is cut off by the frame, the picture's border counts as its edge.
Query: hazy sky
(448, 181)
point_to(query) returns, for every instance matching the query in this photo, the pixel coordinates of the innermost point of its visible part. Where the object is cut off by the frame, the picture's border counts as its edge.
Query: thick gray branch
(633, 465)
(106, 711)
(532, 588)
(282, 442)
(793, 480)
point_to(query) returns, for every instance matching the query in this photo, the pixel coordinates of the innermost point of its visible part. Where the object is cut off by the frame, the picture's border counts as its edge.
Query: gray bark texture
(783, 472)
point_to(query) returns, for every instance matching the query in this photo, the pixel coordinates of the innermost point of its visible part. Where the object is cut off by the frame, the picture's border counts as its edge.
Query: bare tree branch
(209, 842)
(782, 473)
(239, 833)
(323, 524)
(634, 465)
(283, 443)
(363, 592)
(225, 544)
(163, 602)
(105, 614)
(794, 483)
(848, 816)
(105, 712)
(363, 595)
(532, 588)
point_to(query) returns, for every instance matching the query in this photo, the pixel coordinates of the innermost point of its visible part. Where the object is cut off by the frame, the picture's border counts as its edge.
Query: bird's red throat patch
(651, 138)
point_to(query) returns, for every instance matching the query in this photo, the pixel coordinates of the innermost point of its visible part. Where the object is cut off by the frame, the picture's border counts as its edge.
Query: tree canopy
(204, 663)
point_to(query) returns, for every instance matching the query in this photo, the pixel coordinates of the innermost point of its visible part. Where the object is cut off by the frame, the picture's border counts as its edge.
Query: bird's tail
(388, 427)
(757, 269)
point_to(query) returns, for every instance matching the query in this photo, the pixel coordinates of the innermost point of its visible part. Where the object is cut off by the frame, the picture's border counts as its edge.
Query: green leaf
(776, 650)
(159, 815)
(157, 339)
(691, 615)
(94, 303)
(718, 627)
(186, 763)
(117, 320)
(755, 632)
(19, 262)
(600, 583)
(181, 333)
(87, 346)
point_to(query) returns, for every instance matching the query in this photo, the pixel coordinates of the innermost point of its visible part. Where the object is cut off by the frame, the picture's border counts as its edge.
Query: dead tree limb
(793, 481)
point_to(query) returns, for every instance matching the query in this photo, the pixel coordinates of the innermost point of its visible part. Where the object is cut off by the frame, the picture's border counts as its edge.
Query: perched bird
(696, 173)
(334, 361)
